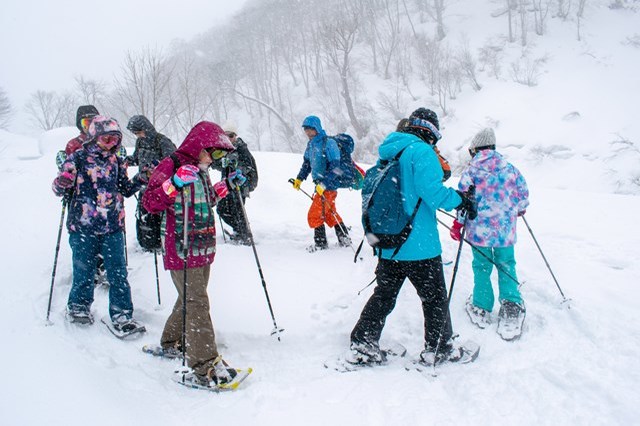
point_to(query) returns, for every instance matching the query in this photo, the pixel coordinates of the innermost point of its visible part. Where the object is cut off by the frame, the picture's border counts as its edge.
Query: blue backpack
(348, 176)
(386, 224)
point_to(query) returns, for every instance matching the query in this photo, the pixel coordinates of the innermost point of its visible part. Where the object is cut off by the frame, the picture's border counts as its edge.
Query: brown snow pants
(201, 347)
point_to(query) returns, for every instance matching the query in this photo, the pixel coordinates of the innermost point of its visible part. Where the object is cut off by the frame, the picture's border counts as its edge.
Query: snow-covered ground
(571, 366)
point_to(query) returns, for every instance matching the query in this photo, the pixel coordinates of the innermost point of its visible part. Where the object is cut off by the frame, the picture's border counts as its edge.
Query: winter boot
(320, 239)
(218, 374)
(365, 353)
(510, 320)
(478, 316)
(124, 324)
(79, 315)
(452, 351)
(342, 232)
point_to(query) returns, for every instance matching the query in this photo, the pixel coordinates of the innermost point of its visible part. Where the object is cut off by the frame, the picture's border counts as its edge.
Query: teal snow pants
(482, 268)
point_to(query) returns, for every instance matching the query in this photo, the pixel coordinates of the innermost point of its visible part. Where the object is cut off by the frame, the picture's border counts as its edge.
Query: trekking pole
(453, 280)
(475, 250)
(224, 237)
(445, 314)
(564, 299)
(276, 330)
(55, 259)
(155, 259)
(185, 253)
(368, 285)
(342, 227)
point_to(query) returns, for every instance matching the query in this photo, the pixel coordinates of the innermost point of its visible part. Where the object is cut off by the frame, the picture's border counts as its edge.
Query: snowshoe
(364, 355)
(510, 320)
(170, 352)
(220, 377)
(78, 316)
(455, 353)
(314, 248)
(123, 327)
(478, 316)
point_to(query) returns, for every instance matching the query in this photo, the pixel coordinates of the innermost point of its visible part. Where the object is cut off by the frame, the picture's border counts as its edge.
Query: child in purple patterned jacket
(502, 195)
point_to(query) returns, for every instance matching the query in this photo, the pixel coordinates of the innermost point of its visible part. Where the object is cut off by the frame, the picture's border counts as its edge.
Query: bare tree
(508, 8)
(435, 9)
(524, 22)
(48, 110)
(91, 92)
(339, 37)
(527, 70)
(467, 64)
(579, 15)
(490, 56)
(6, 110)
(389, 36)
(540, 12)
(143, 86)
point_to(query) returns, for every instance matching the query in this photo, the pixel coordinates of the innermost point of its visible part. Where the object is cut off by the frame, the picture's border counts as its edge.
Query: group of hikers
(176, 198)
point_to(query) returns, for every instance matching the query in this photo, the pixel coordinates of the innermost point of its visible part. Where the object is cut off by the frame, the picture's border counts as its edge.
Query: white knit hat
(230, 127)
(485, 137)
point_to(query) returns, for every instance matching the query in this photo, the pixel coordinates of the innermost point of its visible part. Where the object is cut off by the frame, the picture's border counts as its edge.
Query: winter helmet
(424, 124)
(85, 111)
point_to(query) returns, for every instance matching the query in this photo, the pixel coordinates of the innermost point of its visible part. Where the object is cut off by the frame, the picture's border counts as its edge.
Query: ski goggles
(217, 154)
(427, 125)
(108, 141)
(231, 135)
(85, 122)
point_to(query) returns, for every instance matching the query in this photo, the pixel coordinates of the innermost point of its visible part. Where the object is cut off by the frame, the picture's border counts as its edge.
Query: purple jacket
(501, 192)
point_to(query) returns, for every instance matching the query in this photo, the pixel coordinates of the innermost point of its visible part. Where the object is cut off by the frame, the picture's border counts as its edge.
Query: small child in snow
(95, 181)
(502, 196)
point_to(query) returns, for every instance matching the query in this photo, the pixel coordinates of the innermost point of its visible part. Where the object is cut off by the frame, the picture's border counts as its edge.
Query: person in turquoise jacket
(419, 258)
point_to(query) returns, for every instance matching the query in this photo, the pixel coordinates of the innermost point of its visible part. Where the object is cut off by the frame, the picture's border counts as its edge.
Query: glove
(468, 205)
(320, 189)
(521, 213)
(296, 184)
(221, 189)
(130, 160)
(144, 173)
(65, 180)
(236, 179)
(185, 175)
(455, 231)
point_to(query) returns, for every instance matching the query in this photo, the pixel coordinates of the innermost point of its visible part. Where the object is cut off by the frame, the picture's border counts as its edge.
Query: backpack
(386, 224)
(349, 174)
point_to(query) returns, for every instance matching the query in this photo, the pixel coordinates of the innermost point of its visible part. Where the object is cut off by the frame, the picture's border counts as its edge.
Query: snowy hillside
(572, 366)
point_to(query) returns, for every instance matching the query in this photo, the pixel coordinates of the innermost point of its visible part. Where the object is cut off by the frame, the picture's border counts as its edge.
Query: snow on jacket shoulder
(501, 192)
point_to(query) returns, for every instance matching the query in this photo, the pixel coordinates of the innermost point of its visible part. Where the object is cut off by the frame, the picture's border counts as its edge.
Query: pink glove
(455, 231)
(65, 180)
(185, 175)
(221, 189)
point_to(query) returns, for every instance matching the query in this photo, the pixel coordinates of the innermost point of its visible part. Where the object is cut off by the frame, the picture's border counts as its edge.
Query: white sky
(44, 43)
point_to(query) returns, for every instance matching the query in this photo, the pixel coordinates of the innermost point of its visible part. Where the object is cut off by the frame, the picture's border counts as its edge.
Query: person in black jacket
(151, 147)
(229, 208)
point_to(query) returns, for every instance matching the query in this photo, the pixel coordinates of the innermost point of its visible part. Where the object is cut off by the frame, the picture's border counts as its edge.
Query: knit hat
(102, 125)
(230, 127)
(426, 114)
(483, 139)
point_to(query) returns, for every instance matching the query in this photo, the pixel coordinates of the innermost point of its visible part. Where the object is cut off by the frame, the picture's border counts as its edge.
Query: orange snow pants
(323, 210)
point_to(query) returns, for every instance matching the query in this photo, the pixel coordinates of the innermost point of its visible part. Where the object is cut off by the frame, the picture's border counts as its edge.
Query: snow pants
(200, 338)
(428, 279)
(482, 290)
(323, 210)
(86, 248)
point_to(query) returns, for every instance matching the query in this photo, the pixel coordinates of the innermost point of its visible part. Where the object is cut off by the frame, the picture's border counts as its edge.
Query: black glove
(468, 205)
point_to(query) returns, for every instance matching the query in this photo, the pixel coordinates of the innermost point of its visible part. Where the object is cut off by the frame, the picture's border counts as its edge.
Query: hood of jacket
(83, 112)
(313, 121)
(396, 142)
(204, 135)
(139, 123)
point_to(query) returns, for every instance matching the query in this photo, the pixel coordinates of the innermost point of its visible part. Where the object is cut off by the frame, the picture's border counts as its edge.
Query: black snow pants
(230, 210)
(428, 279)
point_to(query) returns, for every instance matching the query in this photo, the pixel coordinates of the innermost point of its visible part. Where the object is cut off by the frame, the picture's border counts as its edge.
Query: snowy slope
(576, 366)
